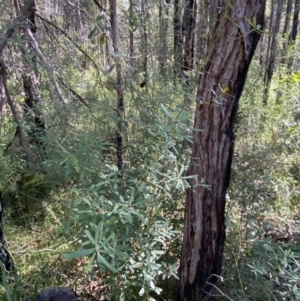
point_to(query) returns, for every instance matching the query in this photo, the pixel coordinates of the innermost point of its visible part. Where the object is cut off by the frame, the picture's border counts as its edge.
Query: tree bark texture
(294, 32)
(230, 50)
(163, 11)
(177, 39)
(273, 48)
(32, 101)
(120, 84)
(144, 40)
(287, 21)
(131, 36)
(286, 28)
(202, 30)
(189, 20)
(269, 35)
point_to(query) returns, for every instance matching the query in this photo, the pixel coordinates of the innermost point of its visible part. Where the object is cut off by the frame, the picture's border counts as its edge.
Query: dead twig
(71, 40)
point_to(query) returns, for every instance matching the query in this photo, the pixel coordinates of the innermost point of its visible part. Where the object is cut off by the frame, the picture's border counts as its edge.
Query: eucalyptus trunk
(231, 47)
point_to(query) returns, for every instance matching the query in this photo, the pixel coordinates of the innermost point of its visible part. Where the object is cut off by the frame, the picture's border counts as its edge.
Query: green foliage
(123, 218)
(124, 228)
(262, 259)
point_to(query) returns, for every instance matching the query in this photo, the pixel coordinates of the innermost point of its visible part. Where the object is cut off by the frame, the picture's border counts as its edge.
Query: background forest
(97, 101)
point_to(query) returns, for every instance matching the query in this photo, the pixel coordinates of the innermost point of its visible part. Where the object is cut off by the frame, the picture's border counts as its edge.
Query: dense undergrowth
(263, 209)
(73, 219)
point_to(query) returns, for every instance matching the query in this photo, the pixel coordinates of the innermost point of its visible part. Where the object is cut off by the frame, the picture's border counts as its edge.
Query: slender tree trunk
(286, 29)
(144, 39)
(189, 20)
(131, 47)
(108, 57)
(202, 30)
(294, 32)
(32, 101)
(273, 48)
(230, 51)
(287, 21)
(177, 39)
(163, 33)
(269, 41)
(120, 85)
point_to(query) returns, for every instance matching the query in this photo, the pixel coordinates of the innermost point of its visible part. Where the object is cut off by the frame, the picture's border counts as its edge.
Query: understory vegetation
(73, 218)
(72, 215)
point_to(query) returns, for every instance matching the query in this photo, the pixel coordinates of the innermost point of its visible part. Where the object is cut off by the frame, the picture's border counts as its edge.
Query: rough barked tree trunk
(230, 51)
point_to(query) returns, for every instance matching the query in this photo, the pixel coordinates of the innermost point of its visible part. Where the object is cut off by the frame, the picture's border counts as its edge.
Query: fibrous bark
(230, 51)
